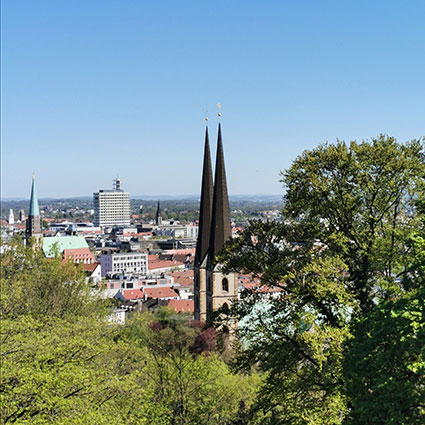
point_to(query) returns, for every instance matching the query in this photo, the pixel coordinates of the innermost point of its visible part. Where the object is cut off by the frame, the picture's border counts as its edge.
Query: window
(225, 285)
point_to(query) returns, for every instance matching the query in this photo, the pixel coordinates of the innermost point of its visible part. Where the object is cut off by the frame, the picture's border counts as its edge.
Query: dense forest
(343, 343)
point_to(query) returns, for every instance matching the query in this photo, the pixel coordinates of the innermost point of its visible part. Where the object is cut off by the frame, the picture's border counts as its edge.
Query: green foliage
(384, 366)
(188, 388)
(358, 201)
(42, 287)
(350, 241)
(62, 363)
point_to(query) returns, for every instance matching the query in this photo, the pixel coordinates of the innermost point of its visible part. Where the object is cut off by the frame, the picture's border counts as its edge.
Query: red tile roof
(160, 292)
(182, 305)
(132, 294)
(90, 267)
(155, 263)
(78, 254)
(183, 277)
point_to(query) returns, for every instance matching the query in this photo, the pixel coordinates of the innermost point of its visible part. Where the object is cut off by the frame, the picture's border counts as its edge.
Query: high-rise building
(112, 207)
(33, 226)
(213, 288)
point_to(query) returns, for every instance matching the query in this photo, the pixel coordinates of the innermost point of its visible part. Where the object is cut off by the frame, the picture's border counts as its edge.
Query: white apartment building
(112, 207)
(124, 263)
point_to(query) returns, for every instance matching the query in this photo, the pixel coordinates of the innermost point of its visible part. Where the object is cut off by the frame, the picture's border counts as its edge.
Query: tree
(384, 366)
(43, 287)
(188, 388)
(343, 247)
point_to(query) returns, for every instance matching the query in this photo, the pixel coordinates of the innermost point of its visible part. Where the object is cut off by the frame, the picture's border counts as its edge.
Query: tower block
(213, 288)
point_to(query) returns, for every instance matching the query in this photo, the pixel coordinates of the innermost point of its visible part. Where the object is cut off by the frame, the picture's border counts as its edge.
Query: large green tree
(341, 249)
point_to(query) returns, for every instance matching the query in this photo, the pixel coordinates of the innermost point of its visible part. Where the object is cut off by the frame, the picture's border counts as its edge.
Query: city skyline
(92, 90)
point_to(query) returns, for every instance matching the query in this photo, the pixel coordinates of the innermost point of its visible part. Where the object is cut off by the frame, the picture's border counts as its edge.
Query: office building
(112, 207)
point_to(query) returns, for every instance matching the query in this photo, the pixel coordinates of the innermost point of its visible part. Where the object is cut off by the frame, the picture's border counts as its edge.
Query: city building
(112, 207)
(11, 219)
(57, 245)
(213, 289)
(124, 263)
(33, 224)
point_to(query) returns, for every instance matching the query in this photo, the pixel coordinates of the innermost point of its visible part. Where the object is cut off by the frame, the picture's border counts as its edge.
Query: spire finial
(206, 115)
(218, 108)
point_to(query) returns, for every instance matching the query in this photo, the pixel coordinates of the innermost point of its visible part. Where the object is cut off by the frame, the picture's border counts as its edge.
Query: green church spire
(34, 210)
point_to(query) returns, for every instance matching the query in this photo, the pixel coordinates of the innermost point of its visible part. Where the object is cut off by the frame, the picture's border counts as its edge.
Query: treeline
(342, 342)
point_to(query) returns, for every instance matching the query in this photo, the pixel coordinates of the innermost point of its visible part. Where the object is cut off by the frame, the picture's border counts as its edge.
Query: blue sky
(92, 89)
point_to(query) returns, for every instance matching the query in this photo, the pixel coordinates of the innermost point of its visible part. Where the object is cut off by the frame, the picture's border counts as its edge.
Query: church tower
(203, 242)
(213, 289)
(158, 217)
(33, 226)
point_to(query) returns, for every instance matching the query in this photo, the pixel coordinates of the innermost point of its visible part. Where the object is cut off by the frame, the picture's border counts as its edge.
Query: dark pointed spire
(221, 229)
(158, 218)
(205, 206)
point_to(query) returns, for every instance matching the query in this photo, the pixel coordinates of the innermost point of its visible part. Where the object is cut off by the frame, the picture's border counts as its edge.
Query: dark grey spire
(158, 214)
(221, 229)
(205, 206)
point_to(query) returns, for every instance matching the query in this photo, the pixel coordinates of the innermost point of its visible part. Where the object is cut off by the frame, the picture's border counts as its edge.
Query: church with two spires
(213, 289)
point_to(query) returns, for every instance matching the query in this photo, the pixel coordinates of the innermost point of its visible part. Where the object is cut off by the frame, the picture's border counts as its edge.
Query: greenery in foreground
(343, 344)
(62, 363)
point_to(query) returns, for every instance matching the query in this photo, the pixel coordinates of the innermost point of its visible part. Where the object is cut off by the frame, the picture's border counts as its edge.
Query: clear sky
(96, 88)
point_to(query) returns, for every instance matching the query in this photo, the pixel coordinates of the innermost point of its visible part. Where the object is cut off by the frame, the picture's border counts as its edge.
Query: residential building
(112, 207)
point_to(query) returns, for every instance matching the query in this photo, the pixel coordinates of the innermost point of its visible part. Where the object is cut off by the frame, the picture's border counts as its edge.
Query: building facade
(213, 289)
(124, 263)
(112, 207)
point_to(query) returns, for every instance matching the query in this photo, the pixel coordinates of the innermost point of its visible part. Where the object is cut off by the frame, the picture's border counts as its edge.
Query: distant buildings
(112, 207)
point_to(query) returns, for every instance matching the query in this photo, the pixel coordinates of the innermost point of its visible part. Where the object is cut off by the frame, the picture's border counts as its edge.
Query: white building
(112, 207)
(124, 263)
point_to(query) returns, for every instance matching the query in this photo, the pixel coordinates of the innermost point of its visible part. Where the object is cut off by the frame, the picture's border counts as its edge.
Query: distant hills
(239, 198)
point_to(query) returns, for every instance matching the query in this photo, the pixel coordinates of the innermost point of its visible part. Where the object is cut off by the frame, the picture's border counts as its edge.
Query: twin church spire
(214, 212)
(213, 289)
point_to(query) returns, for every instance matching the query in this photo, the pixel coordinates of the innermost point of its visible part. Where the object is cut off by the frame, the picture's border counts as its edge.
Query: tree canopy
(343, 250)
